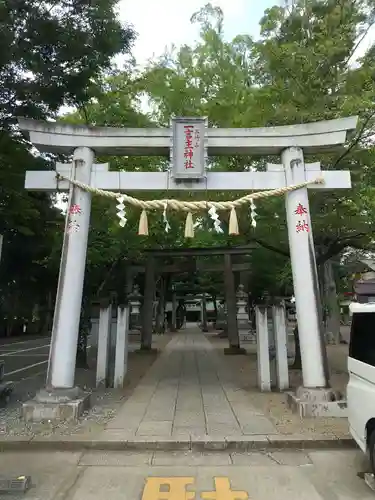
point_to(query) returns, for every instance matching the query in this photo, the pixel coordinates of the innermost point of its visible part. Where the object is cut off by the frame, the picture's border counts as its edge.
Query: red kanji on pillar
(73, 227)
(302, 226)
(300, 210)
(75, 209)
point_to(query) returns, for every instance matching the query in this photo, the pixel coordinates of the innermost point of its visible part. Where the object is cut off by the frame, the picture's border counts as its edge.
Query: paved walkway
(189, 391)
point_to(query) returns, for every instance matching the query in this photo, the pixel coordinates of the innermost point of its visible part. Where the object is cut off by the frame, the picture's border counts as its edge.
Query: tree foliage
(304, 67)
(55, 52)
(53, 55)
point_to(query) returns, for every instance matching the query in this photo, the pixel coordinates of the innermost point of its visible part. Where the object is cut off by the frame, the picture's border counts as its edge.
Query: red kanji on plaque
(75, 209)
(188, 151)
(302, 226)
(188, 136)
(300, 210)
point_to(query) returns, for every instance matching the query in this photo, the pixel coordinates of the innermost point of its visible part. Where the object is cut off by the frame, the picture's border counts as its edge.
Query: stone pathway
(189, 391)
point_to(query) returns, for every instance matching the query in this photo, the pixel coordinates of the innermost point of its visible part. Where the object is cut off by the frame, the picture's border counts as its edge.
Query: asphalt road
(25, 362)
(162, 475)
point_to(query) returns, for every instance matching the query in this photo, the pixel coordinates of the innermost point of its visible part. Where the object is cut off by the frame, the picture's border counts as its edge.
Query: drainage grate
(19, 484)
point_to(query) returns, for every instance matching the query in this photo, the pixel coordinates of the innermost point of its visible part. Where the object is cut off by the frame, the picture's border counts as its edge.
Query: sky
(161, 23)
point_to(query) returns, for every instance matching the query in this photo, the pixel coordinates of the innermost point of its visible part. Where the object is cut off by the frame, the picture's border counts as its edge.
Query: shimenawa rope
(189, 206)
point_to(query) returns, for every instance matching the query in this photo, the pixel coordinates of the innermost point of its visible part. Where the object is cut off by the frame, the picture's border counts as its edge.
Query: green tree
(55, 52)
(298, 71)
(54, 55)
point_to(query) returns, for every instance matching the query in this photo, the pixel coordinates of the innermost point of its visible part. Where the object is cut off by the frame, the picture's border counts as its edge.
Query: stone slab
(195, 431)
(258, 425)
(295, 441)
(252, 459)
(113, 440)
(9, 442)
(222, 430)
(155, 428)
(244, 443)
(308, 409)
(34, 411)
(154, 443)
(73, 442)
(191, 458)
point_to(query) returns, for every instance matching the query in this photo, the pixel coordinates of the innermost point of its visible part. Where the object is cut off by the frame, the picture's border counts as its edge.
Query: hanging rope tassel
(143, 224)
(189, 226)
(233, 223)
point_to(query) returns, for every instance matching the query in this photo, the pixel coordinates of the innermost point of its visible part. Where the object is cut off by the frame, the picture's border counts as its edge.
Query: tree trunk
(230, 292)
(215, 304)
(297, 363)
(332, 323)
(204, 313)
(84, 331)
(160, 314)
(46, 327)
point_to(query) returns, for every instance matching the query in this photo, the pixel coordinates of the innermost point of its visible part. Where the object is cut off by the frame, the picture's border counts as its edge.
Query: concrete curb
(206, 443)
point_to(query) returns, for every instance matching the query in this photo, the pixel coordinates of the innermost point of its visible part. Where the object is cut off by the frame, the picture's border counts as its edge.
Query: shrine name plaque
(189, 148)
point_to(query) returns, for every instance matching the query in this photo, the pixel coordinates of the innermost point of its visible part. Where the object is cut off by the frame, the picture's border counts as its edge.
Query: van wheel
(371, 449)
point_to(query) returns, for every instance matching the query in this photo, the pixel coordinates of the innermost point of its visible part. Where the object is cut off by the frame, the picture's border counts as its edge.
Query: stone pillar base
(369, 480)
(234, 350)
(56, 405)
(146, 350)
(320, 402)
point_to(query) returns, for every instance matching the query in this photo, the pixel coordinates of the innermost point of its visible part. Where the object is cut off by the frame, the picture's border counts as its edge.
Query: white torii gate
(83, 142)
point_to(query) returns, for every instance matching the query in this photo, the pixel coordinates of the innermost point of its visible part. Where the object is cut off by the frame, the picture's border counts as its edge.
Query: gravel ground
(274, 404)
(105, 402)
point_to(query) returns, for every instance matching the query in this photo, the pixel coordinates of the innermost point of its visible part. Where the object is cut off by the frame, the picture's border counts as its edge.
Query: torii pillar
(61, 399)
(315, 374)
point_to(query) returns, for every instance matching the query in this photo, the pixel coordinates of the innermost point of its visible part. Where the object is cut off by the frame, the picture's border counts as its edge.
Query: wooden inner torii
(152, 269)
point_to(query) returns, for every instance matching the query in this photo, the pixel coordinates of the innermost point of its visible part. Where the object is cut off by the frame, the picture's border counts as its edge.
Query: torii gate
(84, 142)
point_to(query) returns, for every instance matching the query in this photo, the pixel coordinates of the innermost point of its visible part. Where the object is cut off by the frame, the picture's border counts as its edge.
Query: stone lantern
(243, 322)
(135, 303)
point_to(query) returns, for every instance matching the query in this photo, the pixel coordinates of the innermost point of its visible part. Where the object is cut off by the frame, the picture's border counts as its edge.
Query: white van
(361, 386)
